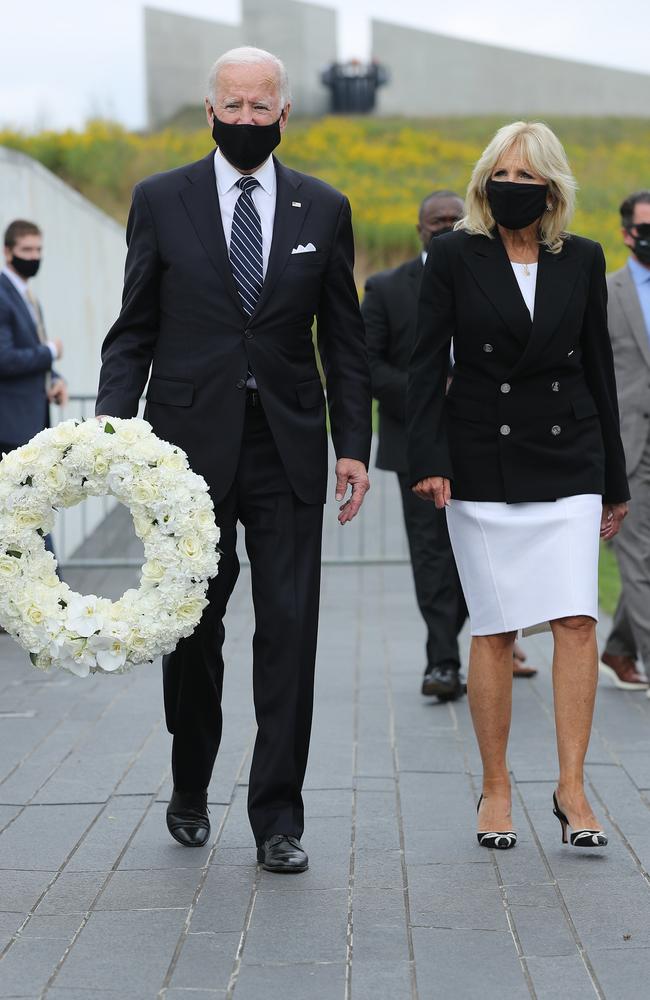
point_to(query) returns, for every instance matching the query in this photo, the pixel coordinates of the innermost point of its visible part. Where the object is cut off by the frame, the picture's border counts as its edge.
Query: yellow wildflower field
(385, 166)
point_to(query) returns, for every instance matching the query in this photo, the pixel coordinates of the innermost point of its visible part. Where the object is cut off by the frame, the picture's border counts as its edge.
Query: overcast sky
(64, 61)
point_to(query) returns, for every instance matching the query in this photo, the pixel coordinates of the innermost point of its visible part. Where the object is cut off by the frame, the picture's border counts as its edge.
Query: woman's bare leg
(575, 678)
(489, 690)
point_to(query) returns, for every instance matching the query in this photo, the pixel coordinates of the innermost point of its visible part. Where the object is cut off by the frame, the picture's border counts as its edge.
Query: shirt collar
(227, 175)
(640, 274)
(19, 284)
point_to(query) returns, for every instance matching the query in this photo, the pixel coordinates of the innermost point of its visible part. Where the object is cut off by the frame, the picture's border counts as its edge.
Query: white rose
(27, 519)
(191, 609)
(28, 454)
(190, 547)
(153, 571)
(9, 567)
(55, 478)
(175, 461)
(101, 463)
(144, 491)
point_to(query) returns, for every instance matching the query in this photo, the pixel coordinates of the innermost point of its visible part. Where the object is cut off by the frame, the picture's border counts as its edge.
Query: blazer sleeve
(428, 448)
(342, 347)
(18, 361)
(388, 381)
(128, 348)
(598, 363)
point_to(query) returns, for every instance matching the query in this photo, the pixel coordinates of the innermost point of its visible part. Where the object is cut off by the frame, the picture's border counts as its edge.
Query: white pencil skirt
(522, 565)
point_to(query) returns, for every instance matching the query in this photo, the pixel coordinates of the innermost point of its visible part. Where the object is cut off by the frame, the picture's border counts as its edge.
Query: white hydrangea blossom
(172, 513)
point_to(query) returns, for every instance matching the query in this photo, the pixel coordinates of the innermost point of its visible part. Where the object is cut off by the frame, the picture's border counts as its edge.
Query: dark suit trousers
(437, 586)
(283, 541)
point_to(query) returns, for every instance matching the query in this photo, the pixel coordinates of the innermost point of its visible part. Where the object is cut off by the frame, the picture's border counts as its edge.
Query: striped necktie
(246, 257)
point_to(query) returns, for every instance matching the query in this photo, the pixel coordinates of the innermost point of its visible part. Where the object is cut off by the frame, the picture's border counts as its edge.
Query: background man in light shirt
(629, 327)
(28, 383)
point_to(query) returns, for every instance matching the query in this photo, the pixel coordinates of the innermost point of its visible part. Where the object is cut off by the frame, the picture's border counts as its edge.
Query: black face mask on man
(641, 241)
(246, 146)
(515, 206)
(26, 268)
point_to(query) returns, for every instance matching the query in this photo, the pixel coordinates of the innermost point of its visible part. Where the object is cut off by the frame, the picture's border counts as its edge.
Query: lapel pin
(296, 204)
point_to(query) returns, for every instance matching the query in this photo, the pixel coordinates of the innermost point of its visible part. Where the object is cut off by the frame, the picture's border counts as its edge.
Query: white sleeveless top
(527, 283)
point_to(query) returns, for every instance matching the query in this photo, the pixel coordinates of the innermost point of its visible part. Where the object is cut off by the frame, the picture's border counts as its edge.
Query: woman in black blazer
(525, 450)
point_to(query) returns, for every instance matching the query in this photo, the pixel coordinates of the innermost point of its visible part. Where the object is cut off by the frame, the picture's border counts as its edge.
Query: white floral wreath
(172, 513)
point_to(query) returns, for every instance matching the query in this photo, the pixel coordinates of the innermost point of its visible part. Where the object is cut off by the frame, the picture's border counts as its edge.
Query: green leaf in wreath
(39, 531)
(28, 481)
(15, 553)
(34, 658)
(108, 428)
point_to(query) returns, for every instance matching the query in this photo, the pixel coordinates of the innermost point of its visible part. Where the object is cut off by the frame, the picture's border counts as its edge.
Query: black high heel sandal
(578, 838)
(498, 841)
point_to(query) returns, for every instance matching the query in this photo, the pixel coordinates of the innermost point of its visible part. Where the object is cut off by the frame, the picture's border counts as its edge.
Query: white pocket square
(309, 248)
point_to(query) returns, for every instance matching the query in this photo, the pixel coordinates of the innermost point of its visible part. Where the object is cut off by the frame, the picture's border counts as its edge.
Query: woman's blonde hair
(541, 149)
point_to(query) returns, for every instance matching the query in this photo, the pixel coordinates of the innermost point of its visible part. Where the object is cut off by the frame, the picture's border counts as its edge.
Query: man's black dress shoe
(187, 818)
(281, 853)
(445, 683)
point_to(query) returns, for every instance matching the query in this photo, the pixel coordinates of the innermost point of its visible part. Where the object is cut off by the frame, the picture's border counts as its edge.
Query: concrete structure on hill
(179, 52)
(430, 74)
(438, 75)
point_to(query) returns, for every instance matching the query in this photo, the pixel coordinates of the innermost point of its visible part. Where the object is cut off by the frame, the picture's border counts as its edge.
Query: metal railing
(375, 537)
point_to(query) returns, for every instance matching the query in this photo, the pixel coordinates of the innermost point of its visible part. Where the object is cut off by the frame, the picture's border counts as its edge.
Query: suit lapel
(291, 208)
(201, 201)
(629, 302)
(489, 264)
(20, 302)
(556, 278)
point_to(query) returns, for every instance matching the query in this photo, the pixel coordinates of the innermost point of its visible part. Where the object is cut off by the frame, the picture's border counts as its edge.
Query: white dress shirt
(263, 198)
(21, 287)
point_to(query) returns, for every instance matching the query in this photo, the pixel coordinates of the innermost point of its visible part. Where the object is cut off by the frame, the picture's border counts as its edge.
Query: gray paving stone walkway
(98, 903)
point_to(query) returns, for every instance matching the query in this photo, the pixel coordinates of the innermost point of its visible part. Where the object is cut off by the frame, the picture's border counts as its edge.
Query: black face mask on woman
(25, 267)
(246, 146)
(515, 206)
(641, 241)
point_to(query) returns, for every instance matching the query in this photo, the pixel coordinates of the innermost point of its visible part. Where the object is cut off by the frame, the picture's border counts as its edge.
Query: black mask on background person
(246, 146)
(515, 206)
(641, 241)
(24, 267)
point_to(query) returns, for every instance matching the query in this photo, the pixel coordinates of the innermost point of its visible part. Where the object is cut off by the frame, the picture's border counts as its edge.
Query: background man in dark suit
(389, 310)
(628, 317)
(28, 382)
(229, 260)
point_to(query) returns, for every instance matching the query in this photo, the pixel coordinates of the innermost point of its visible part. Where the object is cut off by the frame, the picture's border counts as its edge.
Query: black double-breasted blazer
(182, 327)
(532, 412)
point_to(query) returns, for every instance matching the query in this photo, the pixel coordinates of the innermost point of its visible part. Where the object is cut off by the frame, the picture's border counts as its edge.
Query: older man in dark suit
(229, 261)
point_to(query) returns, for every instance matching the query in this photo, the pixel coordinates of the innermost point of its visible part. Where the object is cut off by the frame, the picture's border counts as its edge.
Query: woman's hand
(434, 488)
(610, 523)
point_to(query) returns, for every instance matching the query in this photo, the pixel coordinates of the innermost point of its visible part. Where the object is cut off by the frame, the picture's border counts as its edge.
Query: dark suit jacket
(181, 314)
(24, 409)
(389, 310)
(532, 411)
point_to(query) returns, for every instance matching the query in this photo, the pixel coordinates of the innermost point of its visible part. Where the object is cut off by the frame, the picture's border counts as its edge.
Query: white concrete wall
(435, 74)
(79, 287)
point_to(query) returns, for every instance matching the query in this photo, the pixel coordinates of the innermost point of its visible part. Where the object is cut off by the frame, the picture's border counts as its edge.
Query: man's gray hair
(248, 55)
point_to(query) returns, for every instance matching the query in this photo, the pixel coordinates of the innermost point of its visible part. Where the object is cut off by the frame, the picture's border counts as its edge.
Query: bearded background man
(229, 261)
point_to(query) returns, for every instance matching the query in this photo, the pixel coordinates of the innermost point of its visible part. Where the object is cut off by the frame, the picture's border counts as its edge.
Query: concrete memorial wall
(79, 286)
